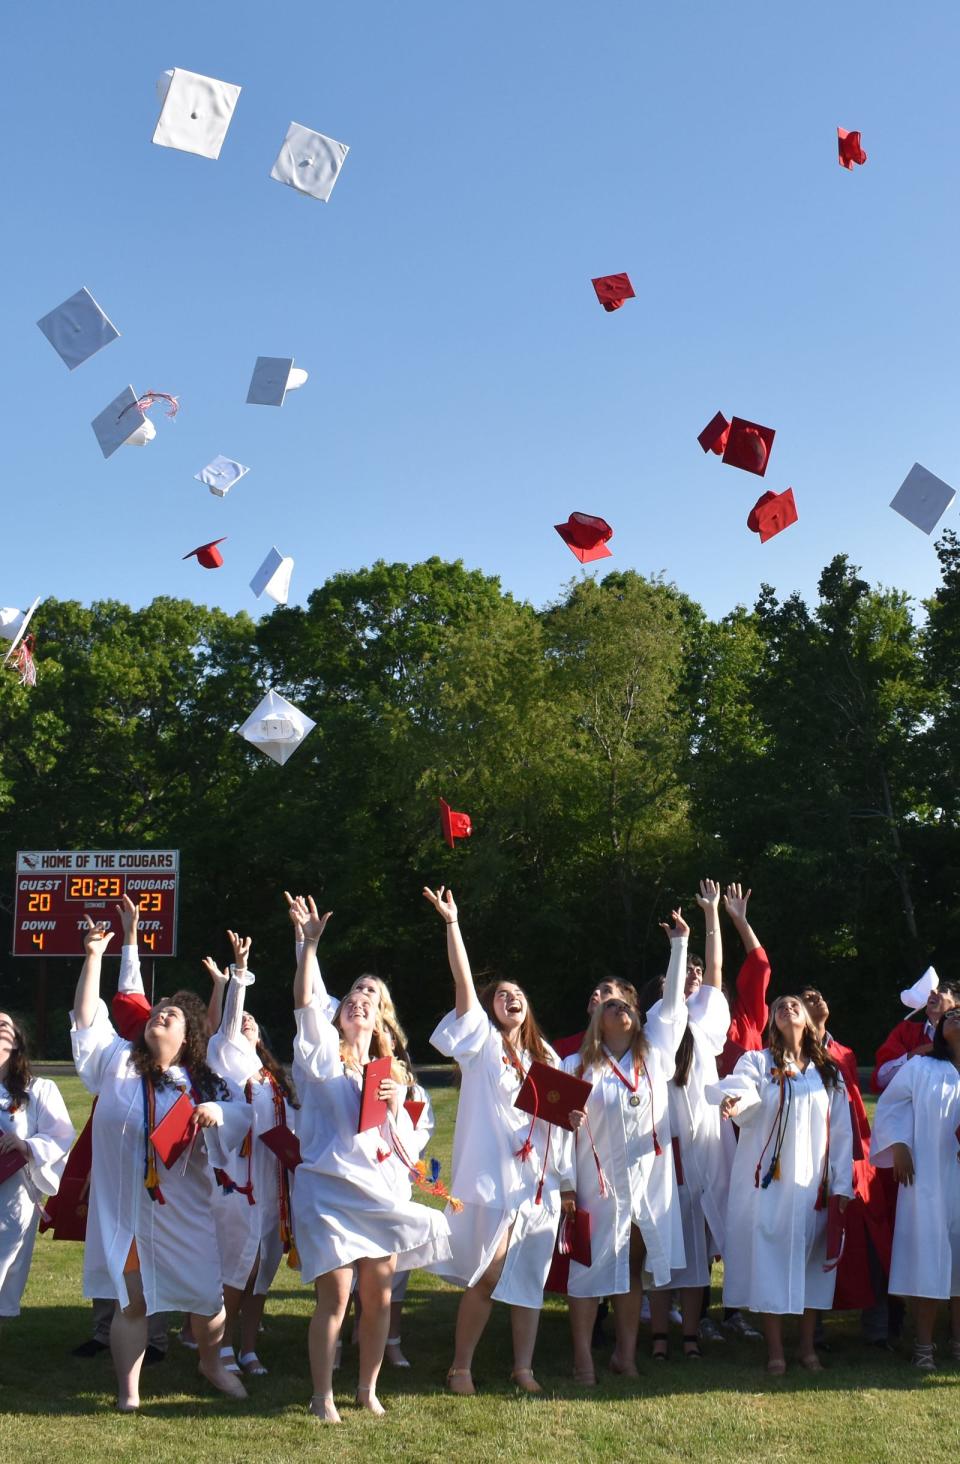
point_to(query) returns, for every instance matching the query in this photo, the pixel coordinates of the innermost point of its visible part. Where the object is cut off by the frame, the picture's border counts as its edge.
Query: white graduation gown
(776, 1238)
(921, 1108)
(639, 1183)
(422, 1134)
(176, 1241)
(243, 1229)
(347, 1203)
(497, 1189)
(44, 1124)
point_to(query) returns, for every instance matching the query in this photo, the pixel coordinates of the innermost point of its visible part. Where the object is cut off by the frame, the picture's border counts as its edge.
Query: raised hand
(218, 977)
(96, 937)
(303, 913)
(442, 903)
(678, 929)
(129, 918)
(709, 896)
(735, 903)
(241, 948)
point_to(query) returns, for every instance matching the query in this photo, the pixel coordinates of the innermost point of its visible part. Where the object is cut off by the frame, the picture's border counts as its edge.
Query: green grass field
(867, 1405)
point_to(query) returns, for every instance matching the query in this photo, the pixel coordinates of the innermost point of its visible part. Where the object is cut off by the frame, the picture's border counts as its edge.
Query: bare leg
(333, 1294)
(208, 1334)
(374, 1281)
(924, 1319)
(473, 1314)
(393, 1351)
(583, 1315)
(251, 1315)
(773, 1332)
(232, 1302)
(808, 1351)
(955, 1319)
(128, 1343)
(524, 1322)
(691, 1307)
(627, 1308)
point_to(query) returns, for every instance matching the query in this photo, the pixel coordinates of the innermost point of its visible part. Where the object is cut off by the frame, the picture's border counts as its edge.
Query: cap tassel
(144, 403)
(429, 1183)
(24, 662)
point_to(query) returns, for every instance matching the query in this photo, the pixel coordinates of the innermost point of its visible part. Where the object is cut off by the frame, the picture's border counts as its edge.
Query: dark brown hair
(18, 1076)
(283, 1081)
(529, 1038)
(810, 1045)
(192, 1055)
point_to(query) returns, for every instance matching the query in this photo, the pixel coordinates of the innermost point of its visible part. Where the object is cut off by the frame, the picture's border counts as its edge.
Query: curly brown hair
(192, 1055)
(18, 1076)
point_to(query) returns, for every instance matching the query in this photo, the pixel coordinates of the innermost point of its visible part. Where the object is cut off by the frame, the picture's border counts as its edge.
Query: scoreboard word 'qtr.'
(55, 889)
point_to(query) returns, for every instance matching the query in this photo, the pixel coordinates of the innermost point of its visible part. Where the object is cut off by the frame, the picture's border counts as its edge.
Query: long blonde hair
(591, 1048)
(389, 1022)
(810, 1045)
(381, 1045)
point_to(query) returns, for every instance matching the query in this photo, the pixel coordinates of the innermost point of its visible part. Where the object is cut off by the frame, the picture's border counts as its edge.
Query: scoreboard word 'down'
(55, 890)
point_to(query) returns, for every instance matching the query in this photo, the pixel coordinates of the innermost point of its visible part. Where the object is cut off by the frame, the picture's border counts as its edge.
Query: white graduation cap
(916, 995)
(13, 625)
(273, 577)
(78, 328)
(273, 377)
(276, 727)
(196, 112)
(923, 498)
(221, 474)
(123, 421)
(309, 162)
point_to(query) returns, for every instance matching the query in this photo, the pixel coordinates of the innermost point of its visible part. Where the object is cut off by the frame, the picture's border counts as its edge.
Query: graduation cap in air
(916, 996)
(19, 653)
(612, 290)
(586, 536)
(455, 825)
(849, 149)
(273, 377)
(221, 474)
(273, 577)
(196, 112)
(309, 162)
(748, 446)
(771, 514)
(276, 727)
(78, 328)
(208, 555)
(714, 436)
(125, 423)
(923, 498)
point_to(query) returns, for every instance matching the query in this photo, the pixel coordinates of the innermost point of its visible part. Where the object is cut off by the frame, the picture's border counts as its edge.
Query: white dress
(639, 1182)
(245, 1228)
(777, 1237)
(422, 1134)
(921, 1108)
(43, 1122)
(496, 1188)
(176, 1242)
(348, 1203)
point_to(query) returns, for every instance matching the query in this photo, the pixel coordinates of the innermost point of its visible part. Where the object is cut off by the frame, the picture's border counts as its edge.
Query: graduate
(151, 1239)
(916, 1133)
(253, 1210)
(35, 1138)
(352, 1200)
(794, 1153)
(748, 1009)
(511, 1175)
(911, 1039)
(612, 986)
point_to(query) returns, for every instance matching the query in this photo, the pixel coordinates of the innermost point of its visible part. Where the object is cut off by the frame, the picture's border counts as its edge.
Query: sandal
(525, 1381)
(811, 1362)
(229, 1360)
(393, 1354)
(585, 1377)
(923, 1356)
(691, 1347)
(776, 1367)
(462, 1390)
(662, 1341)
(250, 1363)
(323, 1408)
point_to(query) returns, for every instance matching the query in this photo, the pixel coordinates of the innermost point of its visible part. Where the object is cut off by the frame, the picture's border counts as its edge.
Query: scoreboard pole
(40, 1008)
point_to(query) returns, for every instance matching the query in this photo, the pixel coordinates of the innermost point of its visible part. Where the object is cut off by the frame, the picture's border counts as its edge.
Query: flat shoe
(811, 1362)
(777, 1367)
(525, 1381)
(462, 1390)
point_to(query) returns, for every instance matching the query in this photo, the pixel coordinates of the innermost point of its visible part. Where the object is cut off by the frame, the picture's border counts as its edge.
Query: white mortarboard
(120, 422)
(13, 625)
(276, 727)
(221, 474)
(78, 328)
(273, 577)
(916, 995)
(309, 162)
(923, 498)
(196, 112)
(273, 377)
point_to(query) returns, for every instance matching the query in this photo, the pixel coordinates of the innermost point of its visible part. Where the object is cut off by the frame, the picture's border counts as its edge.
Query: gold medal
(634, 1100)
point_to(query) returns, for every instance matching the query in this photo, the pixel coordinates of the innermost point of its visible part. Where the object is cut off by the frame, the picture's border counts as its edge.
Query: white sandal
(251, 1364)
(398, 1361)
(229, 1360)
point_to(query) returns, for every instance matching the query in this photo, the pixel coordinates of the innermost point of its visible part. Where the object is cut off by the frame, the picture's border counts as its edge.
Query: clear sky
(466, 390)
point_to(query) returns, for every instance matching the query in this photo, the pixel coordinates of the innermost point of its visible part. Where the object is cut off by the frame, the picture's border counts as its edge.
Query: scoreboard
(56, 889)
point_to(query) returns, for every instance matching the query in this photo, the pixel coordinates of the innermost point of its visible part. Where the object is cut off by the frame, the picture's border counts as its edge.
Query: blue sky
(466, 390)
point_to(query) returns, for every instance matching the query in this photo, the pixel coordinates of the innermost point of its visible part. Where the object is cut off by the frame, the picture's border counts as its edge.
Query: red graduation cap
(455, 825)
(373, 1110)
(612, 290)
(572, 1244)
(283, 1142)
(415, 1108)
(208, 554)
(848, 146)
(10, 1161)
(586, 536)
(552, 1094)
(714, 436)
(748, 446)
(174, 1133)
(772, 513)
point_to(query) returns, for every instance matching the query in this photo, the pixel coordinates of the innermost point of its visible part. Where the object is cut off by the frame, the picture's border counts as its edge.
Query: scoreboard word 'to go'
(55, 889)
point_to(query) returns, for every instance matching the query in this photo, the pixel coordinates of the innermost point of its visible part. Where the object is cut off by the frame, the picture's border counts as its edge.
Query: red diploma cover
(174, 1133)
(373, 1110)
(10, 1162)
(573, 1244)
(283, 1142)
(551, 1094)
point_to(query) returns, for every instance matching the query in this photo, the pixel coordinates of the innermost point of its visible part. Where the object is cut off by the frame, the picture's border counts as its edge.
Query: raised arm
(226, 987)
(310, 925)
(130, 982)
(466, 994)
(735, 905)
(87, 997)
(709, 902)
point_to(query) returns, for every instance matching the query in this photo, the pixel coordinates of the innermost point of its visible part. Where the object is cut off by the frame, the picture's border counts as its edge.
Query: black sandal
(654, 1339)
(691, 1348)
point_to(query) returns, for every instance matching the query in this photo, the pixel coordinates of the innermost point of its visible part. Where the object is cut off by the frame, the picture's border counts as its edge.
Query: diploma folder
(572, 1244)
(552, 1094)
(373, 1110)
(283, 1142)
(10, 1162)
(174, 1134)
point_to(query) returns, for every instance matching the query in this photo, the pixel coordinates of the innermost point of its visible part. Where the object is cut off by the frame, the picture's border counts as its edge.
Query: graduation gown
(905, 1038)
(44, 1124)
(749, 1014)
(869, 1218)
(921, 1108)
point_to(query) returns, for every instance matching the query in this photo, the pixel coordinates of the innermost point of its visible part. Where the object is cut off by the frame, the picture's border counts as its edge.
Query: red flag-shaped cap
(848, 146)
(586, 536)
(714, 436)
(748, 446)
(455, 825)
(208, 554)
(772, 513)
(612, 290)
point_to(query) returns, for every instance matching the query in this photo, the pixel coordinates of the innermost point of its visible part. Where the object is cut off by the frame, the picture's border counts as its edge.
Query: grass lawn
(868, 1405)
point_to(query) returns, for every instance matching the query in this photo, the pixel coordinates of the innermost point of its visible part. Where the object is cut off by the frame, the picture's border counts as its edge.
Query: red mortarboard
(10, 1161)
(552, 1094)
(373, 1110)
(208, 554)
(748, 446)
(836, 1229)
(848, 146)
(283, 1142)
(572, 1244)
(455, 825)
(130, 1011)
(714, 436)
(612, 290)
(586, 536)
(175, 1132)
(414, 1107)
(772, 513)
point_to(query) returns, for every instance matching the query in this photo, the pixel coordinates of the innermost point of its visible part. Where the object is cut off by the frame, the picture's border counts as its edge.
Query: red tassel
(656, 1145)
